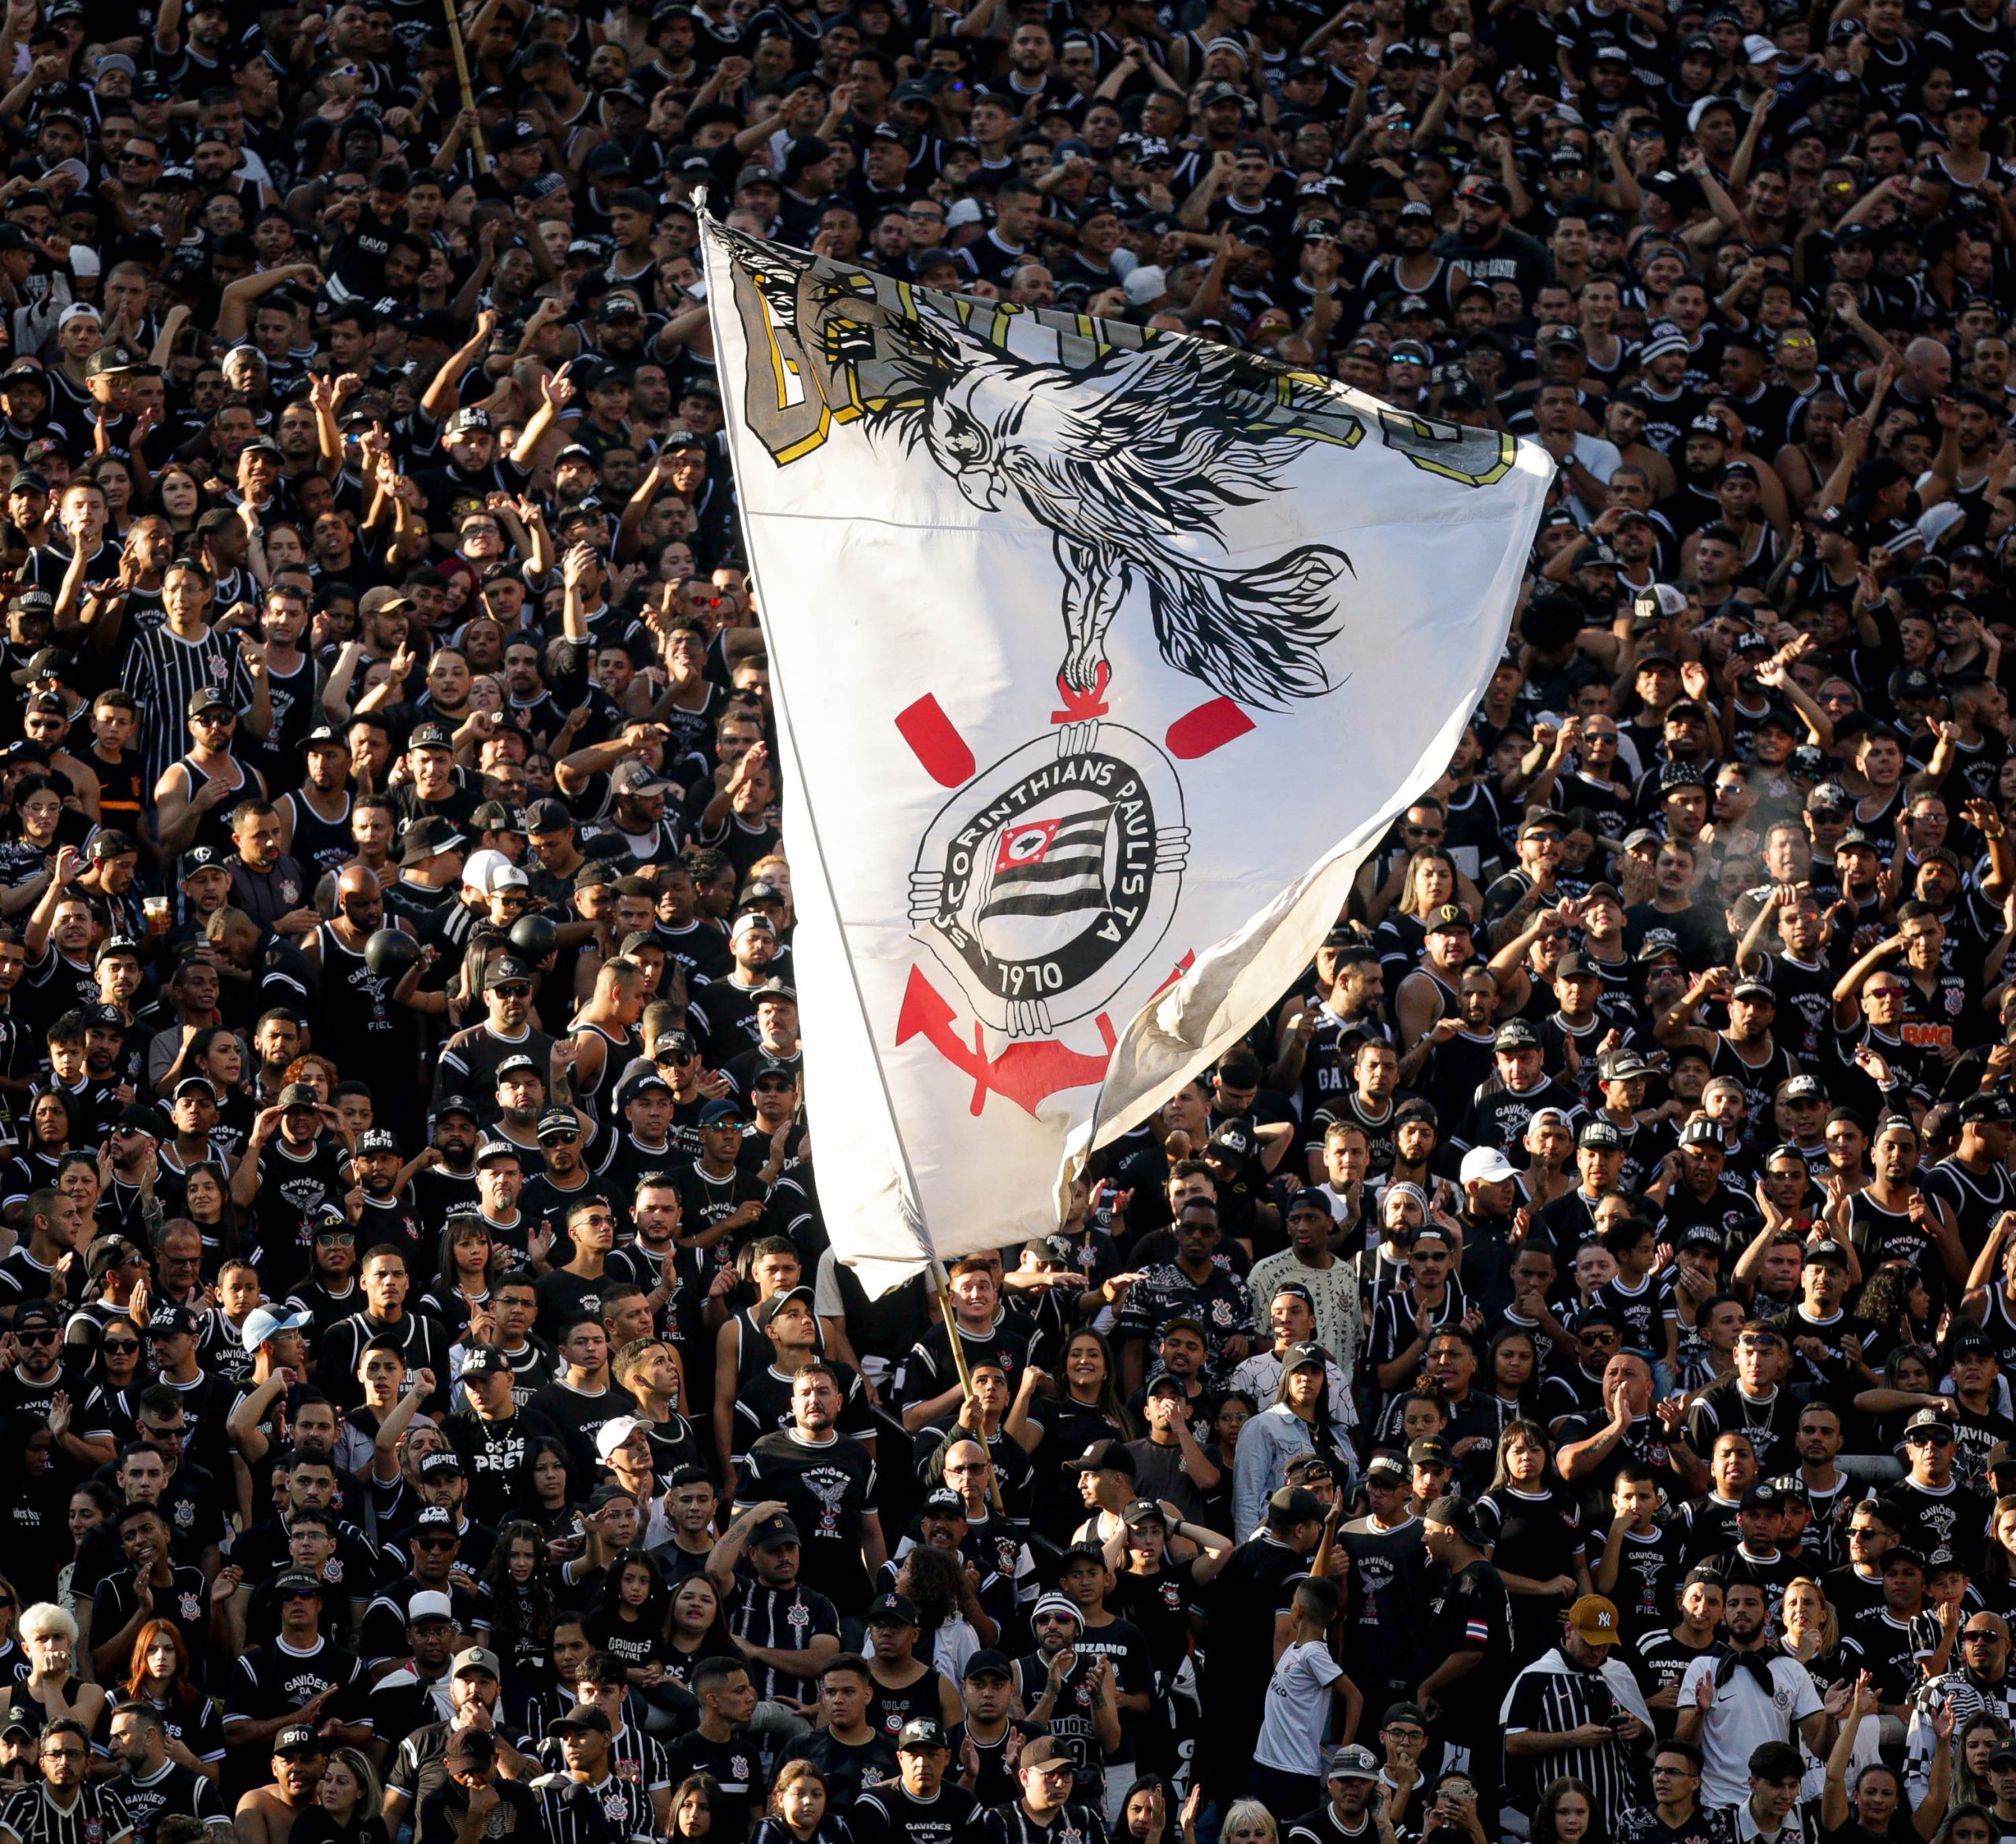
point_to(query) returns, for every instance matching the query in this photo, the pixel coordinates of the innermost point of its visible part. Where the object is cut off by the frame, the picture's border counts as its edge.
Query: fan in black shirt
(722, 1745)
(918, 1807)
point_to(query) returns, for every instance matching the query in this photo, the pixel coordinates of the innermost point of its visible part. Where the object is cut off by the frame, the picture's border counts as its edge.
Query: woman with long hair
(515, 1606)
(1298, 1421)
(206, 1202)
(157, 1674)
(348, 1804)
(1995, 1580)
(116, 1366)
(1894, 1308)
(695, 1628)
(1080, 1405)
(627, 1618)
(935, 1581)
(90, 1505)
(1534, 1526)
(179, 495)
(544, 1487)
(13, 1661)
(1431, 878)
(1974, 1822)
(1874, 1802)
(39, 1546)
(798, 1811)
(1567, 1814)
(467, 1263)
(1148, 1811)
(1512, 1374)
(696, 1801)
(1980, 1738)
(36, 1161)
(29, 838)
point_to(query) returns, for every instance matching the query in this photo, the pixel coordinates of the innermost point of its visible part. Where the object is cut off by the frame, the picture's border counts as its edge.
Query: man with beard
(826, 1482)
(493, 1435)
(315, 817)
(469, 1060)
(390, 1214)
(1737, 1698)
(150, 1785)
(723, 1011)
(447, 1179)
(549, 1195)
(370, 1028)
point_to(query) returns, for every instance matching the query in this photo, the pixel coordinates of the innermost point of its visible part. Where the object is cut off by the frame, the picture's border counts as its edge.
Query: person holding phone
(1577, 1710)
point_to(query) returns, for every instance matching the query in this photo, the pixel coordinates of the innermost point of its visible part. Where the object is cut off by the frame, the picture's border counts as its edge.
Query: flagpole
(913, 1216)
(468, 93)
(965, 1370)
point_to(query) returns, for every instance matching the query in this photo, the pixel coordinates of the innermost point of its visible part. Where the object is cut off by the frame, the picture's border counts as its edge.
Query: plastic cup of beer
(155, 908)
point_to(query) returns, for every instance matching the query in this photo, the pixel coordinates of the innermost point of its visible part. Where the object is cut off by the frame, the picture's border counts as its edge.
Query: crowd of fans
(1548, 1382)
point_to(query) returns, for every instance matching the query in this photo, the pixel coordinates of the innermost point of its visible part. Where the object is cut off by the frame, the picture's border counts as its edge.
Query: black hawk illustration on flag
(1133, 449)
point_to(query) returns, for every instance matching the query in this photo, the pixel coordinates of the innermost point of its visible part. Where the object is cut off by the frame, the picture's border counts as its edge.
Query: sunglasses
(215, 717)
(1926, 1438)
(47, 1336)
(436, 1542)
(513, 992)
(342, 1238)
(120, 1347)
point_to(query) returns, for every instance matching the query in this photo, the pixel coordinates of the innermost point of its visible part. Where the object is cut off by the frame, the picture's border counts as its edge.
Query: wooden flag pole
(966, 1374)
(468, 92)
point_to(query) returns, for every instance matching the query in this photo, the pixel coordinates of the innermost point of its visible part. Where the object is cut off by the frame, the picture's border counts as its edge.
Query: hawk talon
(1081, 706)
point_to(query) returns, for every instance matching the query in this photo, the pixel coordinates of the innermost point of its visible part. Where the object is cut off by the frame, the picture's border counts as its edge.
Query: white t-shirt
(1297, 1715)
(1742, 1718)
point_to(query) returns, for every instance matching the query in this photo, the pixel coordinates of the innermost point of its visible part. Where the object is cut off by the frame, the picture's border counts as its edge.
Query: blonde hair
(1249, 1812)
(46, 1620)
(370, 1795)
(1410, 900)
(1830, 1617)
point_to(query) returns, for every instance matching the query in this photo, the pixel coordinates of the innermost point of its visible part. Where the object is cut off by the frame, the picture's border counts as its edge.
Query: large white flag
(1101, 658)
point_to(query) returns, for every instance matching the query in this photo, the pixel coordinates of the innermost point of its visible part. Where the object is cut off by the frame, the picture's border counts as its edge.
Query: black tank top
(888, 1710)
(617, 1054)
(371, 1035)
(213, 828)
(319, 845)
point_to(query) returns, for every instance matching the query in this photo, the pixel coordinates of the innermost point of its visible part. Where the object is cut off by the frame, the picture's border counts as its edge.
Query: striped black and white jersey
(94, 1815)
(1551, 1697)
(785, 1619)
(624, 1806)
(163, 672)
(1012, 1823)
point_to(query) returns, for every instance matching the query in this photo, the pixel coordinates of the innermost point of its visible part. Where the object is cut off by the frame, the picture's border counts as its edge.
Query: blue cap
(715, 1113)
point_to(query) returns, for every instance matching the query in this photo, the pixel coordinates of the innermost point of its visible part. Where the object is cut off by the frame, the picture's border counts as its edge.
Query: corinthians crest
(1049, 878)
(1045, 882)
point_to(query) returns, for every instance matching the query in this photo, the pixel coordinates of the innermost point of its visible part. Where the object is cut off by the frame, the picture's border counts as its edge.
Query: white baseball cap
(1485, 1165)
(612, 1435)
